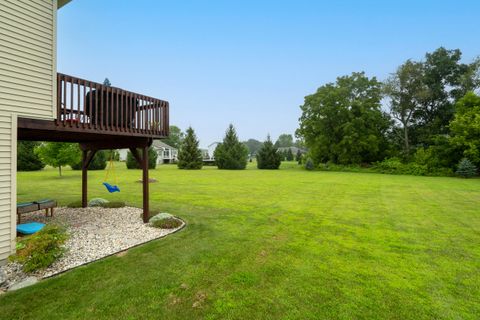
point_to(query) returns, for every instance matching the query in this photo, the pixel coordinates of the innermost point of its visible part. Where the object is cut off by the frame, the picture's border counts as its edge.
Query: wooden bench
(44, 204)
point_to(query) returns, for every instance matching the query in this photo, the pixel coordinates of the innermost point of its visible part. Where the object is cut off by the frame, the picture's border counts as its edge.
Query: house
(37, 103)
(166, 153)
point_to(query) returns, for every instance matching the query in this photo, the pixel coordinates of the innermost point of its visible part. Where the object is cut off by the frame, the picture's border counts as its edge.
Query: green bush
(99, 162)
(97, 202)
(425, 167)
(466, 168)
(41, 249)
(113, 204)
(309, 164)
(152, 159)
(27, 159)
(167, 223)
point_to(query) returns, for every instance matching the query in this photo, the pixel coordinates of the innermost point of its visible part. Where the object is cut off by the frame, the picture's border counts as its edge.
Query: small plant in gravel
(40, 250)
(164, 220)
(97, 202)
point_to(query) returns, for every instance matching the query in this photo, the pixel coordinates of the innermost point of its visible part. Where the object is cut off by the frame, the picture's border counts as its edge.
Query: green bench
(44, 204)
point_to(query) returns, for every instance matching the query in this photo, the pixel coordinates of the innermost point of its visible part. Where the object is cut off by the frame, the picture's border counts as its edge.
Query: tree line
(424, 118)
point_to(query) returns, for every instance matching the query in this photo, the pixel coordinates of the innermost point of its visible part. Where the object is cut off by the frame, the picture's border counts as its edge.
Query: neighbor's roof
(160, 144)
(61, 3)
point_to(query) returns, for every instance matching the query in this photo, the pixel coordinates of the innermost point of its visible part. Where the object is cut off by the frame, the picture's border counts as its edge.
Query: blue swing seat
(30, 228)
(111, 188)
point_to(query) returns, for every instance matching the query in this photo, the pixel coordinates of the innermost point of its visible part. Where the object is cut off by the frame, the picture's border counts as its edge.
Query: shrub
(231, 153)
(27, 159)
(466, 168)
(97, 202)
(168, 223)
(309, 164)
(152, 159)
(40, 250)
(113, 204)
(164, 220)
(99, 162)
(268, 156)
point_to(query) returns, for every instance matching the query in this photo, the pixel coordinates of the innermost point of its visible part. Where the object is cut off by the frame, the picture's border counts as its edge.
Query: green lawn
(287, 244)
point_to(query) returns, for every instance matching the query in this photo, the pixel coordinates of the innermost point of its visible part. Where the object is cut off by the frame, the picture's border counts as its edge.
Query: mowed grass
(286, 244)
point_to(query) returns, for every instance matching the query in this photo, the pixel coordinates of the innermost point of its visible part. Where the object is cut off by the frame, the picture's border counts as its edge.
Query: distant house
(293, 149)
(166, 153)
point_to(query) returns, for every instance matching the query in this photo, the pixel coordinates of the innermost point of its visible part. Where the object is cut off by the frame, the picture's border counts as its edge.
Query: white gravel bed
(94, 233)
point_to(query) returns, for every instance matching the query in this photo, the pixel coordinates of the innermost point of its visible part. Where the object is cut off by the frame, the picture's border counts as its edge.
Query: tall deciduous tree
(175, 137)
(465, 128)
(253, 146)
(231, 153)
(406, 90)
(343, 121)
(190, 156)
(268, 156)
(285, 140)
(58, 154)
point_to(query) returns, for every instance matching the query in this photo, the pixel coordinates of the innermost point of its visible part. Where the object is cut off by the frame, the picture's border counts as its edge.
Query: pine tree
(268, 156)
(289, 155)
(298, 158)
(107, 83)
(231, 153)
(27, 159)
(189, 155)
(466, 168)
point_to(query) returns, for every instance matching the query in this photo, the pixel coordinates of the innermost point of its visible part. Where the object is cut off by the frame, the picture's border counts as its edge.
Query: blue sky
(251, 63)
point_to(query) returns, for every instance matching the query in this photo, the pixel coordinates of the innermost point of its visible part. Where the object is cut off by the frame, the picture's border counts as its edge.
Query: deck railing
(92, 106)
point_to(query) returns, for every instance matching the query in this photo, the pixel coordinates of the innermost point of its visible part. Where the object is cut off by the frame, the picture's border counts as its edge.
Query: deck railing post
(84, 179)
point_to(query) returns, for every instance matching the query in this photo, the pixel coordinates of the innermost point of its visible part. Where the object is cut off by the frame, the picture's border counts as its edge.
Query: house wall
(8, 190)
(28, 58)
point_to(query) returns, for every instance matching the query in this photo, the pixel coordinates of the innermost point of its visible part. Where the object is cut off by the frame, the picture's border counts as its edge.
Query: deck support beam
(145, 180)
(87, 157)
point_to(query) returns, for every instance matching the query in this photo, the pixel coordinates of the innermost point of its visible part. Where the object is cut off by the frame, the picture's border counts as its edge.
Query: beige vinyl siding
(8, 166)
(28, 58)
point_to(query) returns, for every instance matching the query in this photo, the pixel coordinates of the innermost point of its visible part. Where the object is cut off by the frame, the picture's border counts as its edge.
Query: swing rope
(111, 168)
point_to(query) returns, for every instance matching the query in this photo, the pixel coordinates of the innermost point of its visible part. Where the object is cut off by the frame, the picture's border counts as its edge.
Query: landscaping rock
(3, 277)
(24, 283)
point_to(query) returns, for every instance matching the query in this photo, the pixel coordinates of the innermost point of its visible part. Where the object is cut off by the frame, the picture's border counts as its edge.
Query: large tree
(343, 121)
(58, 154)
(446, 80)
(253, 146)
(27, 159)
(465, 128)
(231, 153)
(175, 137)
(190, 156)
(268, 156)
(284, 140)
(406, 90)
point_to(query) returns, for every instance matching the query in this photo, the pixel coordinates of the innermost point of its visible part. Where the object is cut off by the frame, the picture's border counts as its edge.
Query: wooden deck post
(84, 179)
(146, 210)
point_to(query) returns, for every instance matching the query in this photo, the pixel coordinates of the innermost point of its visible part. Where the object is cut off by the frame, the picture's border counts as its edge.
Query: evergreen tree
(27, 159)
(466, 168)
(289, 155)
(298, 158)
(107, 83)
(231, 153)
(189, 155)
(152, 159)
(268, 156)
